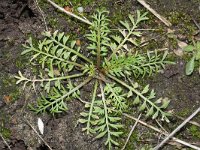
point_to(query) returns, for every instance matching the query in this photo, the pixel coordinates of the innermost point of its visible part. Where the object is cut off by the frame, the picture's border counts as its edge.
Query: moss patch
(194, 131)
(6, 133)
(8, 88)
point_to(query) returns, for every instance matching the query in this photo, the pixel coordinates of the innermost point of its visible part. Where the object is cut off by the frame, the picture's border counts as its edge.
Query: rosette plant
(111, 64)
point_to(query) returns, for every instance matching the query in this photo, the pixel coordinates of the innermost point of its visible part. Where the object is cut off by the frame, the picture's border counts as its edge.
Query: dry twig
(191, 122)
(147, 6)
(161, 132)
(195, 22)
(42, 13)
(37, 134)
(130, 133)
(177, 129)
(69, 13)
(5, 142)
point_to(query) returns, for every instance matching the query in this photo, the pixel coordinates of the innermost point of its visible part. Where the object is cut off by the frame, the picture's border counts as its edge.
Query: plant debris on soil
(20, 19)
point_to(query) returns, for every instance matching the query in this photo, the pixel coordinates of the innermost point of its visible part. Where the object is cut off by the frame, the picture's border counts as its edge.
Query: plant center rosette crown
(110, 65)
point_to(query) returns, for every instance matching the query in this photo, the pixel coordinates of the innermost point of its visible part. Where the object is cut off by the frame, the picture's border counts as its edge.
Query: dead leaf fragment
(182, 44)
(7, 99)
(41, 126)
(78, 42)
(14, 120)
(67, 8)
(178, 52)
(56, 72)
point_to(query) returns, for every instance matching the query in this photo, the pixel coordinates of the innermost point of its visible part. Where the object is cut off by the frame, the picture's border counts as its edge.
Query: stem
(58, 78)
(69, 13)
(91, 106)
(135, 91)
(71, 50)
(63, 60)
(98, 44)
(69, 93)
(105, 111)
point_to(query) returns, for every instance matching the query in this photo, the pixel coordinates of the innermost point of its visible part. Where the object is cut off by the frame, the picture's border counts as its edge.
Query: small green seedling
(110, 63)
(195, 51)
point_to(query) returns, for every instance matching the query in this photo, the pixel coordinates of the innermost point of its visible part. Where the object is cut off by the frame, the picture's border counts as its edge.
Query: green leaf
(126, 25)
(55, 33)
(165, 102)
(48, 42)
(26, 51)
(60, 35)
(152, 94)
(146, 89)
(198, 45)
(130, 93)
(34, 57)
(73, 58)
(143, 106)
(150, 112)
(51, 73)
(133, 41)
(66, 55)
(47, 87)
(118, 39)
(138, 34)
(43, 61)
(136, 100)
(101, 135)
(73, 44)
(82, 120)
(59, 52)
(131, 19)
(57, 84)
(116, 126)
(189, 48)
(158, 101)
(114, 142)
(65, 39)
(165, 55)
(117, 134)
(135, 85)
(48, 34)
(190, 66)
(114, 119)
(155, 115)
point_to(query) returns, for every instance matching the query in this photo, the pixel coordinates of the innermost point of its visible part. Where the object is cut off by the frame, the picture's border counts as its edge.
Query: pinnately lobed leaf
(109, 67)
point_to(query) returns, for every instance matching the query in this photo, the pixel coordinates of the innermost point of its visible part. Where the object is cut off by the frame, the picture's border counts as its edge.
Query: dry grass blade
(37, 133)
(161, 132)
(177, 129)
(5, 142)
(130, 133)
(69, 13)
(164, 20)
(191, 122)
(42, 14)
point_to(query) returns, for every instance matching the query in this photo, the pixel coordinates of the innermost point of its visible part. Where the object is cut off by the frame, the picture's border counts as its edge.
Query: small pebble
(80, 9)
